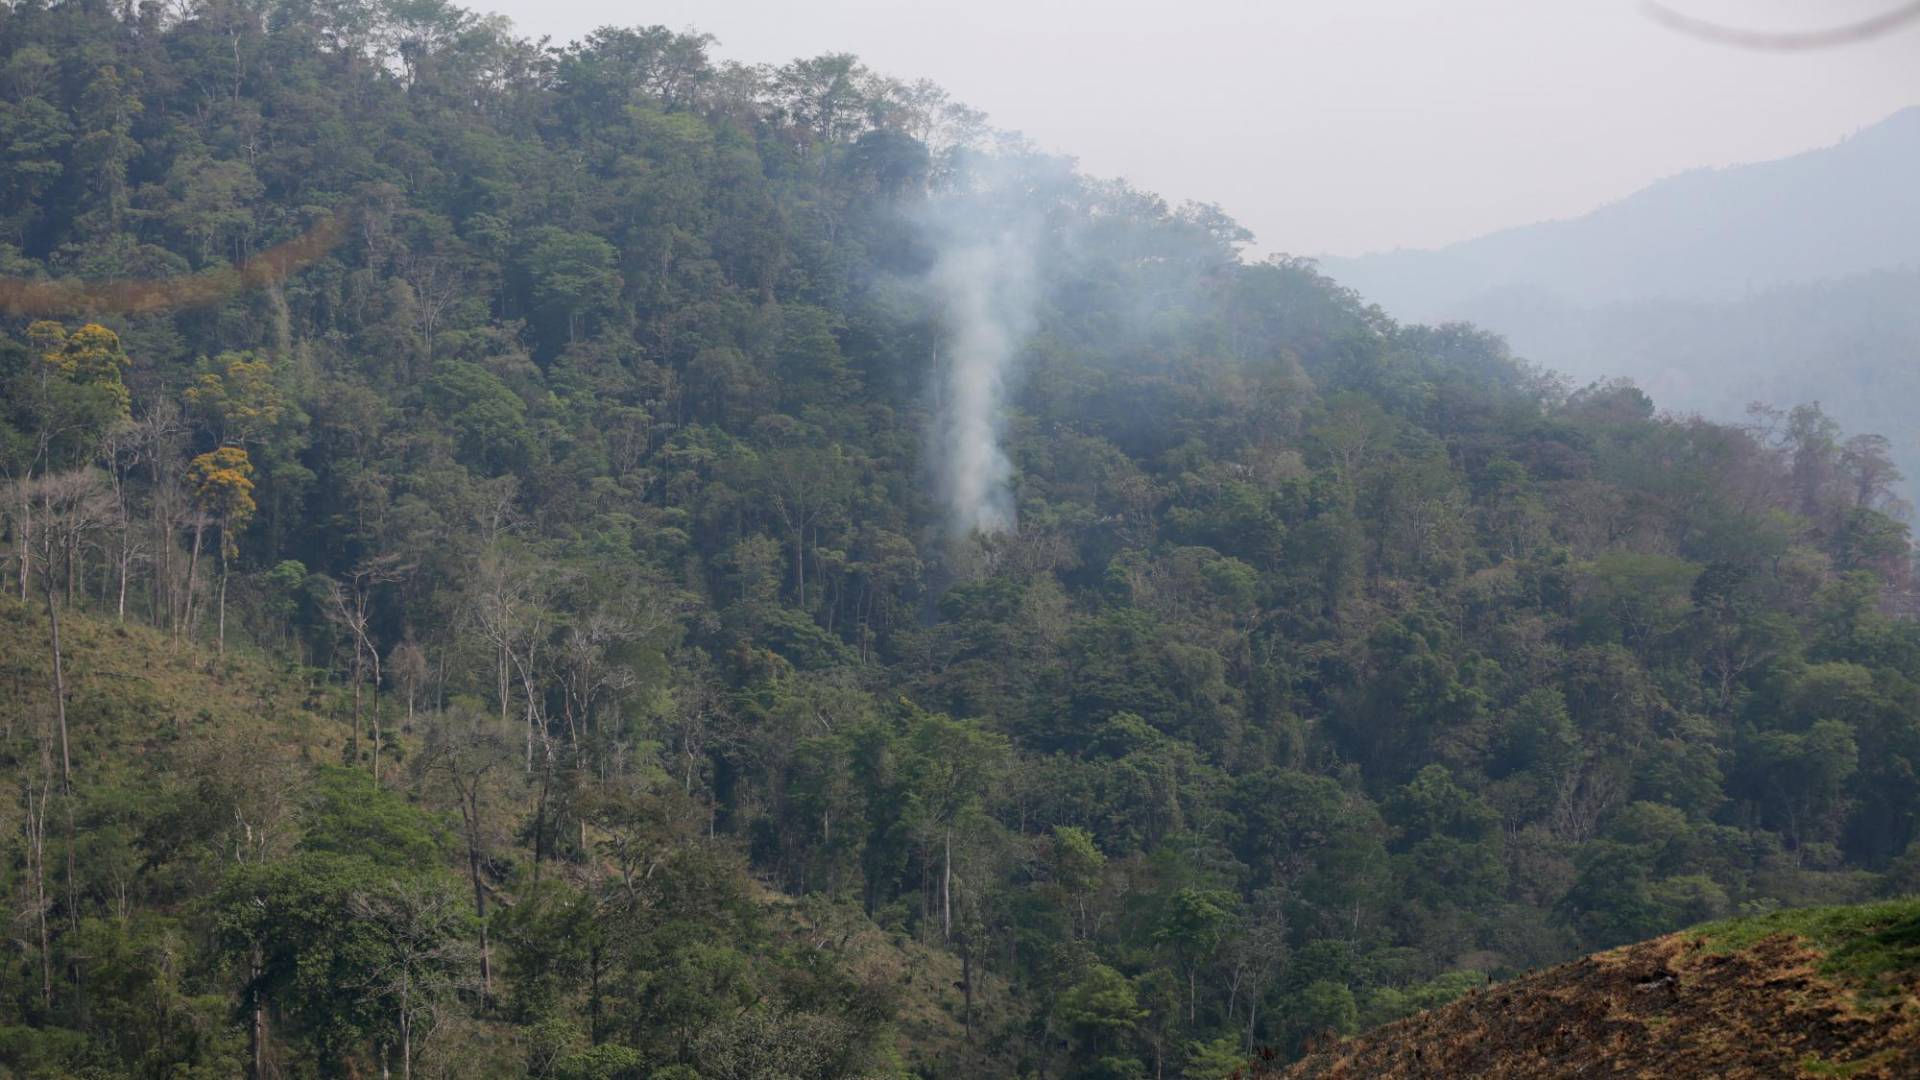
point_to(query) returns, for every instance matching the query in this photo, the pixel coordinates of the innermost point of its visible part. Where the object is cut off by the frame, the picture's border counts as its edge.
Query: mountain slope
(192, 766)
(661, 722)
(1709, 234)
(1816, 992)
(1785, 282)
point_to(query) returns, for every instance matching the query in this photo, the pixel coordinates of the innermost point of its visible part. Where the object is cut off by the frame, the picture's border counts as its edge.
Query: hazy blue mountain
(1852, 344)
(1709, 234)
(1783, 282)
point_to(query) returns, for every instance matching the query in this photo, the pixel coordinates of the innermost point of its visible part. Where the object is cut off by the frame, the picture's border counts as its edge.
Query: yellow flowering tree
(82, 377)
(237, 398)
(222, 485)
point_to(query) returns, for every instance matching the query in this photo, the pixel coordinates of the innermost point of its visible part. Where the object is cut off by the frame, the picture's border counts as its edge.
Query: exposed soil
(1669, 1008)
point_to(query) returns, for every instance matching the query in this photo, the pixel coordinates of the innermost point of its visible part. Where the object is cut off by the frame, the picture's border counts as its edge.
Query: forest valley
(522, 637)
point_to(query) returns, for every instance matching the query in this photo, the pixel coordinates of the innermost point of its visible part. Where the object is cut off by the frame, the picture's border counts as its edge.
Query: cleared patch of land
(1812, 993)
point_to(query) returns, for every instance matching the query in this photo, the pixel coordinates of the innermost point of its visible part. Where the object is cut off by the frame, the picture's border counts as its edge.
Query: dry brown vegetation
(1826, 994)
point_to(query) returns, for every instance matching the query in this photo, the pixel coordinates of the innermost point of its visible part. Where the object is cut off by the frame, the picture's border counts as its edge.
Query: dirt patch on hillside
(1668, 1008)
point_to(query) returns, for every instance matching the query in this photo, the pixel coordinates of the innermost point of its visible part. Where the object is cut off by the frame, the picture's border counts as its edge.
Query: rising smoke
(1002, 231)
(984, 288)
(984, 234)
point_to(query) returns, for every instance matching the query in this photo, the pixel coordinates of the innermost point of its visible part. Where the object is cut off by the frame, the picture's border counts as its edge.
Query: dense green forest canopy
(525, 639)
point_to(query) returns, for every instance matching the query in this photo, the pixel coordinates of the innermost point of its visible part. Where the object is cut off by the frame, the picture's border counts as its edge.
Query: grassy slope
(1815, 992)
(132, 691)
(146, 710)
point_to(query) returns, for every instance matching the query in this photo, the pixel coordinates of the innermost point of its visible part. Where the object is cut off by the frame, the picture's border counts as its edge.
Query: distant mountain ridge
(1785, 282)
(1709, 234)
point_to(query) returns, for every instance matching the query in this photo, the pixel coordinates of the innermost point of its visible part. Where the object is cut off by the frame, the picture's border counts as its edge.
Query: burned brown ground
(1671, 1007)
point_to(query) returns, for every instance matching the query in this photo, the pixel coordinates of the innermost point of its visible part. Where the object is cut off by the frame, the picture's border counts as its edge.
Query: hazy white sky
(1341, 126)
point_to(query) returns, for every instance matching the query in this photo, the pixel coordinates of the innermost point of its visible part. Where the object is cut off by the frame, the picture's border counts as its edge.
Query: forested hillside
(482, 603)
(1851, 344)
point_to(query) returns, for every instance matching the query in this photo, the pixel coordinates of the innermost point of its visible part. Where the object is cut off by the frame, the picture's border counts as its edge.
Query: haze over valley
(594, 556)
(1778, 283)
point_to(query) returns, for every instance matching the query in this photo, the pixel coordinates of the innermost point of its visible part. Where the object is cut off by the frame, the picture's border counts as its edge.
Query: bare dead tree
(407, 664)
(424, 960)
(510, 605)
(349, 606)
(121, 452)
(160, 434)
(20, 513)
(589, 672)
(35, 798)
(256, 788)
(71, 506)
(1581, 799)
(467, 753)
(1252, 955)
(183, 622)
(438, 284)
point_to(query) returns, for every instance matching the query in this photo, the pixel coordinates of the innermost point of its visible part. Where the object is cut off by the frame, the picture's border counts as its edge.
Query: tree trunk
(26, 531)
(406, 1028)
(193, 573)
(126, 561)
(946, 887)
(257, 1027)
(479, 907)
(375, 655)
(59, 687)
(540, 822)
(506, 688)
(160, 592)
(37, 863)
(354, 741)
(593, 995)
(222, 647)
(1233, 994)
(800, 566)
(966, 982)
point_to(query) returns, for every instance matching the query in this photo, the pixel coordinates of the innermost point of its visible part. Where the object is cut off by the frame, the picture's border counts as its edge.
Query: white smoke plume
(991, 226)
(984, 286)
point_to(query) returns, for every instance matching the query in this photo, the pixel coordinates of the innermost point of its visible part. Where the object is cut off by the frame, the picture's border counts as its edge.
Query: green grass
(1814, 1066)
(1871, 947)
(138, 700)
